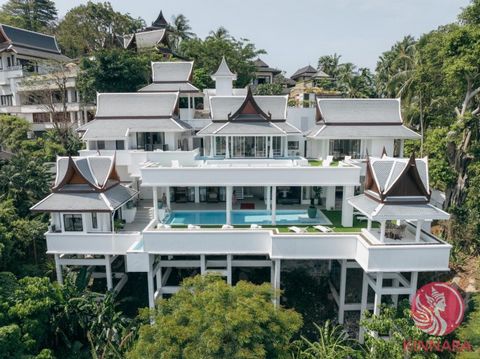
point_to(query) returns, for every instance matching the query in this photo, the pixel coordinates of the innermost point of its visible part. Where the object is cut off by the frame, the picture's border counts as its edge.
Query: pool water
(283, 217)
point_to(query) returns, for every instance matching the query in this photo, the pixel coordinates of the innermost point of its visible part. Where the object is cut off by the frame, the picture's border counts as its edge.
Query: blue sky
(296, 33)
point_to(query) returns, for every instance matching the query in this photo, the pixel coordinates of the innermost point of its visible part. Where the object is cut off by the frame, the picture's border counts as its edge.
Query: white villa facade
(154, 192)
(31, 66)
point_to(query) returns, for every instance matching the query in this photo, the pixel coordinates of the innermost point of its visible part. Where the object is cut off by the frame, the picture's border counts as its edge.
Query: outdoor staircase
(143, 216)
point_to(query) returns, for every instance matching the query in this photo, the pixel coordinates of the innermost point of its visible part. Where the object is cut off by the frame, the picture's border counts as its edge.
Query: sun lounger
(227, 226)
(297, 229)
(192, 226)
(323, 229)
(163, 226)
(255, 226)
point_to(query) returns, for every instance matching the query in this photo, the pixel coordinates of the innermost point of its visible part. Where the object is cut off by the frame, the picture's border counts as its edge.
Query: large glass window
(73, 222)
(260, 147)
(150, 141)
(341, 148)
(277, 146)
(249, 147)
(220, 146)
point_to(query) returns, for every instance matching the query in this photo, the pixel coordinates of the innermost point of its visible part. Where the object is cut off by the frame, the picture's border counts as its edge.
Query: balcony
(91, 243)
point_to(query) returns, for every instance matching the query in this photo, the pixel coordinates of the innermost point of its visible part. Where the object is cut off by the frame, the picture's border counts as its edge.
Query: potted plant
(318, 194)
(312, 210)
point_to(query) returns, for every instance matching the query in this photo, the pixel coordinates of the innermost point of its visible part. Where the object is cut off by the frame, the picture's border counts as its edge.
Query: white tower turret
(224, 79)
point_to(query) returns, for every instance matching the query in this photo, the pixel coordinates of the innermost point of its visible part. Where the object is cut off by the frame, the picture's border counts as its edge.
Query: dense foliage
(38, 15)
(208, 318)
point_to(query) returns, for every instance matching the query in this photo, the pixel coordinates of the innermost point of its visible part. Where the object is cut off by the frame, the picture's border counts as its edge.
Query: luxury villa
(159, 188)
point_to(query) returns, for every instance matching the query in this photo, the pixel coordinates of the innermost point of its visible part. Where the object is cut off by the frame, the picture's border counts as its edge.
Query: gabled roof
(172, 71)
(262, 66)
(249, 110)
(85, 174)
(224, 71)
(304, 71)
(160, 22)
(222, 107)
(320, 74)
(29, 43)
(145, 39)
(393, 180)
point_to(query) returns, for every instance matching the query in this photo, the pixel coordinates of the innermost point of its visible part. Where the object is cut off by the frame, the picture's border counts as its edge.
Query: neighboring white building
(230, 207)
(30, 66)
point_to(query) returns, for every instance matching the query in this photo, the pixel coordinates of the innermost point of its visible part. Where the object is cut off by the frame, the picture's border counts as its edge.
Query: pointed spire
(250, 110)
(160, 22)
(384, 152)
(224, 71)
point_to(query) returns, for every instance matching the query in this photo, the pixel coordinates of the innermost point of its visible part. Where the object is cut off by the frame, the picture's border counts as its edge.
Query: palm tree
(220, 34)
(330, 64)
(180, 30)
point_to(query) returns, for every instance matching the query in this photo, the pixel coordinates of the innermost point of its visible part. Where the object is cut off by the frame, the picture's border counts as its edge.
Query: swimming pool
(283, 217)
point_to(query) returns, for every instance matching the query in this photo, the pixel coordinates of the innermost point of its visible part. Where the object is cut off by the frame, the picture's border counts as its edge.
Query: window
(100, 145)
(73, 222)
(293, 145)
(120, 144)
(94, 220)
(277, 146)
(220, 146)
(41, 117)
(341, 148)
(260, 147)
(6, 100)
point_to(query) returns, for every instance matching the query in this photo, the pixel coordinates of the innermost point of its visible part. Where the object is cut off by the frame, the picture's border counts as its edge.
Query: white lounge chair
(227, 226)
(175, 164)
(323, 229)
(192, 226)
(297, 229)
(255, 226)
(163, 226)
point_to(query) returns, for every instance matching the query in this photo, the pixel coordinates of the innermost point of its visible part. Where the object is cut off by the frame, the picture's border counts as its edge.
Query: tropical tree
(220, 34)
(92, 27)
(179, 30)
(208, 318)
(470, 330)
(35, 15)
(269, 89)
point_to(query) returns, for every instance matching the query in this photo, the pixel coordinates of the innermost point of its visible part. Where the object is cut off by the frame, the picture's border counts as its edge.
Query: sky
(295, 33)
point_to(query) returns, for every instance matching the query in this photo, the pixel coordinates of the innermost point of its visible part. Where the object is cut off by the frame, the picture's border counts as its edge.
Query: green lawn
(318, 163)
(334, 216)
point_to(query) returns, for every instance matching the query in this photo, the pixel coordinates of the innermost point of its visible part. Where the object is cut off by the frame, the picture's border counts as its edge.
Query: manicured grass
(334, 216)
(315, 163)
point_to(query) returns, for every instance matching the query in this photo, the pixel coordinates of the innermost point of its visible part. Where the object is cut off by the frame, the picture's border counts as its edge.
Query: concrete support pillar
(151, 289)
(285, 147)
(267, 197)
(229, 195)
(369, 225)
(401, 148)
(395, 284)
(276, 281)
(383, 224)
(158, 278)
(58, 269)
(155, 203)
(272, 273)
(203, 264)
(378, 294)
(413, 285)
(167, 194)
(418, 231)
(227, 147)
(274, 205)
(197, 194)
(270, 152)
(229, 269)
(108, 272)
(330, 197)
(363, 306)
(212, 142)
(341, 294)
(347, 209)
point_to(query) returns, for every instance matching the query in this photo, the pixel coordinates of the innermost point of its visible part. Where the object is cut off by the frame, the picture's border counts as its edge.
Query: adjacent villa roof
(360, 118)
(85, 184)
(397, 188)
(224, 71)
(144, 39)
(261, 66)
(118, 114)
(29, 43)
(171, 77)
(248, 115)
(159, 23)
(307, 71)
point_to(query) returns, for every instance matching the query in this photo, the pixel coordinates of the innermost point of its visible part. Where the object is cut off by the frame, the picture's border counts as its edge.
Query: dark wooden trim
(364, 123)
(171, 82)
(133, 117)
(250, 100)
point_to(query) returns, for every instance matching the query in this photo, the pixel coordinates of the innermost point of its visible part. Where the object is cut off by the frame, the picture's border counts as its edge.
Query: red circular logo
(437, 308)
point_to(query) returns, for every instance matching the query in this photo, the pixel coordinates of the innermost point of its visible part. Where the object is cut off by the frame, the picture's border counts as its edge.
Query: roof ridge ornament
(250, 107)
(224, 70)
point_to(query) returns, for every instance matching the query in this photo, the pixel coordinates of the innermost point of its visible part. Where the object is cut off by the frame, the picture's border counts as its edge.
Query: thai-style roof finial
(250, 110)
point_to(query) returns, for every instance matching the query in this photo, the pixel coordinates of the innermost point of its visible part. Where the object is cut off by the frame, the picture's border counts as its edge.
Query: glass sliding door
(277, 146)
(150, 141)
(220, 146)
(238, 146)
(249, 147)
(341, 148)
(260, 147)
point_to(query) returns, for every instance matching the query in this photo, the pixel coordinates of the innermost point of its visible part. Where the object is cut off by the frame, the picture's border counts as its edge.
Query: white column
(155, 203)
(167, 194)
(363, 306)
(158, 277)
(197, 194)
(343, 286)
(229, 269)
(58, 269)
(395, 283)
(401, 147)
(151, 289)
(418, 231)
(274, 205)
(272, 273)
(330, 197)
(212, 141)
(229, 204)
(203, 264)
(369, 225)
(267, 197)
(378, 294)
(413, 285)
(227, 149)
(383, 224)
(270, 152)
(285, 147)
(347, 209)
(108, 272)
(276, 282)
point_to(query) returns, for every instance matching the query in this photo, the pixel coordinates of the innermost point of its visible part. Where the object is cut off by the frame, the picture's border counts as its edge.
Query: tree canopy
(35, 15)
(208, 318)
